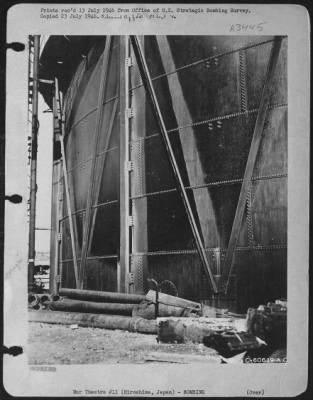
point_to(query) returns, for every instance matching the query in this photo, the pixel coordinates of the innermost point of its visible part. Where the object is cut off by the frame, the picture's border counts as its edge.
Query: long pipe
(94, 321)
(108, 297)
(33, 166)
(91, 307)
(145, 75)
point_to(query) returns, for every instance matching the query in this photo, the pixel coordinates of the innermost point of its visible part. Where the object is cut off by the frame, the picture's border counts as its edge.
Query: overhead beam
(254, 148)
(146, 78)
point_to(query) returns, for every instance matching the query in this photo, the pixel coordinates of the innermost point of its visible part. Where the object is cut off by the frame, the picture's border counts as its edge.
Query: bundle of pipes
(90, 301)
(38, 300)
(82, 306)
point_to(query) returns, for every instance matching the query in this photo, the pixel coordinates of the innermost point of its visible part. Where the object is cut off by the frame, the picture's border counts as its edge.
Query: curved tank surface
(129, 220)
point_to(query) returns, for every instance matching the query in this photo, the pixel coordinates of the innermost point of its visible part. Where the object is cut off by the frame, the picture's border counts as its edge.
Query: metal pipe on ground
(107, 297)
(45, 299)
(33, 300)
(147, 311)
(167, 299)
(94, 321)
(91, 307)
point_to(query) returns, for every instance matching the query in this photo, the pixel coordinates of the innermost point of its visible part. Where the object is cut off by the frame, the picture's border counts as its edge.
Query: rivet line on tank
(204, 60)
(243, 80)
(216, 183)
(213, 119)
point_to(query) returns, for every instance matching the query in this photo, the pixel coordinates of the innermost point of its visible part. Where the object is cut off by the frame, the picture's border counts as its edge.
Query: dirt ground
(60, 344)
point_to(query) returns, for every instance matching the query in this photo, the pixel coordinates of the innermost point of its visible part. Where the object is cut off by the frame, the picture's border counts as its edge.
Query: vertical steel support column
(159, 120)
(60, 231)
(253, 152)
(123, 274)
(33, 167)
(54, 240)
(55, 229)
(138, 185)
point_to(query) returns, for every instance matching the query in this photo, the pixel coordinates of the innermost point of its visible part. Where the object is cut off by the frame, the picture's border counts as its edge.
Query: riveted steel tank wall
(81, 108)
(209, 91)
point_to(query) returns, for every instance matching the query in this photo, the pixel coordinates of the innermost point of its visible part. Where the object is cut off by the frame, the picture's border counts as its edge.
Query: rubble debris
(227, 344)
(269, 323)
(207, 311)
(182, 330)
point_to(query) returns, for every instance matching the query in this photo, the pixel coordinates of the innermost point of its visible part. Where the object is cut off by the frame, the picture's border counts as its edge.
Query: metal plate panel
(101, 275)
(106, 231)
(261, 277)
(269, 211)
(272, 156)
(68, 277)
(256, 66)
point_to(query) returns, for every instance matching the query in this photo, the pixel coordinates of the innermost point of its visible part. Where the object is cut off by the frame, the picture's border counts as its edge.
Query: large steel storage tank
(209, 90)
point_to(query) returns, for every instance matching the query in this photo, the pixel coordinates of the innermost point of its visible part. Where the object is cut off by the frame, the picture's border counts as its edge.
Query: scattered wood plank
(180, 358)
(172, 300)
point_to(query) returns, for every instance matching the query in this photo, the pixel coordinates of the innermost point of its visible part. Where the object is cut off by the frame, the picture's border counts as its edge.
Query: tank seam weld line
(243, 80)
(217, 183)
